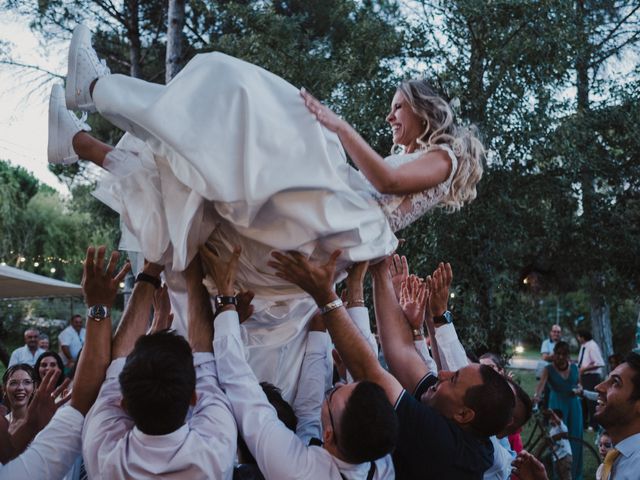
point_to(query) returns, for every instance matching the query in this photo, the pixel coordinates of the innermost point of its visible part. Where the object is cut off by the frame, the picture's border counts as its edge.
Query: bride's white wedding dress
(229, 152)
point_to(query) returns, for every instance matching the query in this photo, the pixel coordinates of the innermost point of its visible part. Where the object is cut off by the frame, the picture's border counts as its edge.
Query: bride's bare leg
(90, 148)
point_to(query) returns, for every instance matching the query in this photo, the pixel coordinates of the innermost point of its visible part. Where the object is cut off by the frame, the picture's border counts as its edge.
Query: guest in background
(30, 351)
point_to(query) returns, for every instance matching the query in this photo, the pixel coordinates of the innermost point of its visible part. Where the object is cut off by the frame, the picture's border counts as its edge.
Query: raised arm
(100, 288)
(395, 335)
(317, 280)
(425, 172)
(135, 320)
(200, 312)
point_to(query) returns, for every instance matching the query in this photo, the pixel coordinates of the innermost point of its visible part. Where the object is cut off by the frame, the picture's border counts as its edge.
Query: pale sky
(24, 98)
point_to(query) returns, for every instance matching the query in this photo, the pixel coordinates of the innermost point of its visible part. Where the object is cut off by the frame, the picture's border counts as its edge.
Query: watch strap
(224, 300)
(145, 277)
(445, 318)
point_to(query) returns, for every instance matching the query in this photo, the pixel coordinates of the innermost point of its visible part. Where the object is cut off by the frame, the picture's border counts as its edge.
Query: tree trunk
(175, 24)
(600, 318)
(601, 325)
(133, 34)
(4, 355)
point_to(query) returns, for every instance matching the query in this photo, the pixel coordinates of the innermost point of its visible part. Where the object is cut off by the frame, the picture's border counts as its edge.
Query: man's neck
(618, 434)
(32, 350)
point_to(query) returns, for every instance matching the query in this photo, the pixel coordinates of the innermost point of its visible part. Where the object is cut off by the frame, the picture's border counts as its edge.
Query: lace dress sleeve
(415, 205)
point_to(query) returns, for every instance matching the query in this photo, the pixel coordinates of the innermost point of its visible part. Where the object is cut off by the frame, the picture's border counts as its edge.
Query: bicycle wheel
(590, 458)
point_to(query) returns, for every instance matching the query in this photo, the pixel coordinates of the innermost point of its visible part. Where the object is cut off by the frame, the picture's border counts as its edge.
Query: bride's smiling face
(406, 125)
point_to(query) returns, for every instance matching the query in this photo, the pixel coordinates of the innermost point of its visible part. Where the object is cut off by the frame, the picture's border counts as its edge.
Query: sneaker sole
(79, 33)
(53, 155)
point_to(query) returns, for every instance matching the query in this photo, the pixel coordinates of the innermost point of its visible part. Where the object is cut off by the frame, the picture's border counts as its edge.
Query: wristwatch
(98, 312)
(443, 319)
(223, 300)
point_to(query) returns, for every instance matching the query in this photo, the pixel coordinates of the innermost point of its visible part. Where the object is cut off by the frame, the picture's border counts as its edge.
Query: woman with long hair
(18, 383)
(234, 155)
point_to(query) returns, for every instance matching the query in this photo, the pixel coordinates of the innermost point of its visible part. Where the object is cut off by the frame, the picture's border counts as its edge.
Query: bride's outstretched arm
(425, 172)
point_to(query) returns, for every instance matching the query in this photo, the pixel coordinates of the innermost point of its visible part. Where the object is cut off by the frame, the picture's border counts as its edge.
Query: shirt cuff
(317, 342)
(116, 367)
(202, 358)
(227, 324)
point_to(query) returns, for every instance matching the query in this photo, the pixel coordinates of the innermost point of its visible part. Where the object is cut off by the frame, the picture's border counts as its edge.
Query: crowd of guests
(149, 403)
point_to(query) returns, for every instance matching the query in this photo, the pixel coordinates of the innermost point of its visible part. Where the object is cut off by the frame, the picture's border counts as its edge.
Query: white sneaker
(63, 125)
(84, 67)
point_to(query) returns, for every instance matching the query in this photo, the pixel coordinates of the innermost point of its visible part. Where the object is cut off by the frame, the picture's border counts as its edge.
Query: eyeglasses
(17, 383)
(606, 444)
(327, 398)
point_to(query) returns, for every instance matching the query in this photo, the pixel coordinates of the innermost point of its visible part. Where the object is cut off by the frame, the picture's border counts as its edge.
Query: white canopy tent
(16, 283)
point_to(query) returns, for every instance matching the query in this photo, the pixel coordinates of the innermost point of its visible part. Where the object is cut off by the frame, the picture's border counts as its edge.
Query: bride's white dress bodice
(402, 210)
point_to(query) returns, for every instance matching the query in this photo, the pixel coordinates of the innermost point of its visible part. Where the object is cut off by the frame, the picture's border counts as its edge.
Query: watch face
(98, 312)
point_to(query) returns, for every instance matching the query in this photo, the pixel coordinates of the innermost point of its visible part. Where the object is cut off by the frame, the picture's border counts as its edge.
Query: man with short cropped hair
(446, 421)
(618, 411)
(138, 427)
(30, 351)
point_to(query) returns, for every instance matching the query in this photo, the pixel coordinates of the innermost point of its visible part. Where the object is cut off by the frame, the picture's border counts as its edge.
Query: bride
(234, 154)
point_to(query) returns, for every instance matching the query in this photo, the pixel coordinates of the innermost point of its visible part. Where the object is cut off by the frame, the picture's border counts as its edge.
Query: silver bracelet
(331, 306)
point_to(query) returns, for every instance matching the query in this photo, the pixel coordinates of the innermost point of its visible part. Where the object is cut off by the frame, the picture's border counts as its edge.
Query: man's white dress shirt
(24, 355)
(204, 447)
(52, 452)
(590, 355)
(627, 465)
(72, 339)
(279, 452)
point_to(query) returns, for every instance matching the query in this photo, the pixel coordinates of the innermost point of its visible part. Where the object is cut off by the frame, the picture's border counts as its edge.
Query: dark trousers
(589, 381)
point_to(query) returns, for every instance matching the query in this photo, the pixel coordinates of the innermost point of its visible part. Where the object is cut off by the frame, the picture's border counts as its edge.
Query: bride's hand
(322, 113)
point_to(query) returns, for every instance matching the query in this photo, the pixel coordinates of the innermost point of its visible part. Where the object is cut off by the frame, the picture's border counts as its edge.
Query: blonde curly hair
(441, 128)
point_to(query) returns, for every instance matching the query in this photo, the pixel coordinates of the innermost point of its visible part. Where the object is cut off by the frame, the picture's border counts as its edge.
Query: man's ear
(464, 415)
(194, 398)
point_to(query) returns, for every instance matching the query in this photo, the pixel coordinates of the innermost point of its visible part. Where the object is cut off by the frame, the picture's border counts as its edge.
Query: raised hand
(438, 285)
(43, 404)
(222, 273)
(322, 113)
(314, 278)
(399, 270)
(528, 467)
(100, 286)
(413, 300)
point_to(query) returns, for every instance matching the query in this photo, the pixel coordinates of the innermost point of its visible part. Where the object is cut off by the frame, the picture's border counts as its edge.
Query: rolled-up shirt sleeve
(452, 354)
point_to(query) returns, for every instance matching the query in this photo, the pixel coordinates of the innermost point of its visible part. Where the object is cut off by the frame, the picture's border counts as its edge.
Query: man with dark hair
(138, 427)
(453, 356)
(446, 422)
(618, 411)
(359, 427)
(590, 366)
